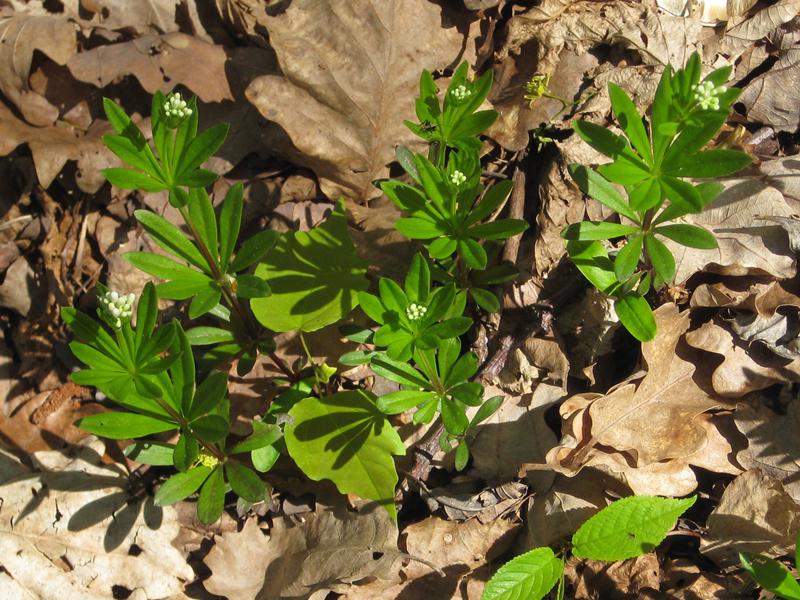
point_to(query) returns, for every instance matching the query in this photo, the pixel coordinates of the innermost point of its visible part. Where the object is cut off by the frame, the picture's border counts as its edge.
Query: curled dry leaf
(755, 514)
(749, 243)
(159, 63)
(22, 34)
(760, 298)
(331, 547)
(772, 442)
(590, 579)
(651, 431)
(70, 530)
(744, 369)
(347, 88)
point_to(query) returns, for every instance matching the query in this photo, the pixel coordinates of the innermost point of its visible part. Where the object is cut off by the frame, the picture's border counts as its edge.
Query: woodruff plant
(624, 529)
(652, 164)
(772, 575)
(176, 407)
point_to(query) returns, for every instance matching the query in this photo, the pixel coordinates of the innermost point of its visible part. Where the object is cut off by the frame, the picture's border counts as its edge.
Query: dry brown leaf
(67, 531)
(329, 548)
(755, 514)
(21, 35)
(348, 87)
(770, 98)
(21, 288)
(159, 63)
(760, 25)
(783, 173)
(649, 434)
(708, 12)
(52, 147)
(142, 16)
(459, 549)
(780, 333)
(748, 243)
(683, 580)
(623, 580)
(520, 419)
(772, 443)
(743, 370)
(760, 298)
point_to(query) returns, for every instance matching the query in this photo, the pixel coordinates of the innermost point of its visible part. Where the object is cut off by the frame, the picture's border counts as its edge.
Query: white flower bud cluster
(175, 108)
(415, 311)
(706, 94)
(460, 92)
(117, 308)
(457, 178)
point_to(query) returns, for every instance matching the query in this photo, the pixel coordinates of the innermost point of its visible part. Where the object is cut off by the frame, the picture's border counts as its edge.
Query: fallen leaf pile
(316, 93)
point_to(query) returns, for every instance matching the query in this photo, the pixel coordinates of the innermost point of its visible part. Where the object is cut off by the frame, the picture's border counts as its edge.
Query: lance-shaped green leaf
(599, 188)
(529, 576)
(345, 438)
(771, 575)
(121, 426)
(628, 527)
(596, 230)
(314, 277)
(636, 315)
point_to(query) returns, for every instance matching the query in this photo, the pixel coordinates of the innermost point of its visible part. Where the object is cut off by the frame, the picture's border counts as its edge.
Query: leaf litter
(709, 407)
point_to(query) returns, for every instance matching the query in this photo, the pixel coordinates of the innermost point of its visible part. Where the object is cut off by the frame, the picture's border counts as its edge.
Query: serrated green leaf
(529, 576)
(314, 277)
(345, 438)
(628, 527)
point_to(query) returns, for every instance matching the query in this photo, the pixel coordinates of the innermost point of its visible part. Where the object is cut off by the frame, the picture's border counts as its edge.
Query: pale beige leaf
(159, 63)
(520, 419)
(748, 243)
(67, 531)
(760, 25)
(743, 370)
(755, 514)
(770, 97)
(772, 442)
(143, 16)
(351, 73)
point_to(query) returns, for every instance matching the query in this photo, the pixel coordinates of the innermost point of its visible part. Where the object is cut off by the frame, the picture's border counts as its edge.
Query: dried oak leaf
(21, 35)
(749, 242)
(70, 530)
(159, 62)
(743, 369)
(761, 298)
(351, 71)
(772, 442)
(141, 16)
(746, 33)
(651, 431)
(755, 514)
(330, 548)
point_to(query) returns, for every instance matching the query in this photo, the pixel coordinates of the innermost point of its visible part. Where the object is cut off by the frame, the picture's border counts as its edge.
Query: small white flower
(460, 92)
(176, 109)
(415, 311)
(115, 308)
(457, 178)
(706, 94)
